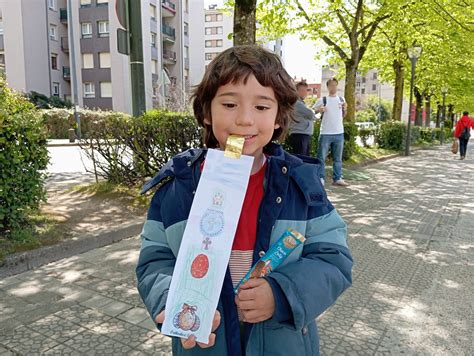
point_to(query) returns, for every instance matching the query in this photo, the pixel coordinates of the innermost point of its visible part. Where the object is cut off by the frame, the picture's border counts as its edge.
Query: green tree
(244, 22)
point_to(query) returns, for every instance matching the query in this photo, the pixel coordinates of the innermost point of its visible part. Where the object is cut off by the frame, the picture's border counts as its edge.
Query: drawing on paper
(200, 266)
(187, 318)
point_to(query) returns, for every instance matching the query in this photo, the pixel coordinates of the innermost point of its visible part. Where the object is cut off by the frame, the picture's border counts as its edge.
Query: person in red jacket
(463, 132)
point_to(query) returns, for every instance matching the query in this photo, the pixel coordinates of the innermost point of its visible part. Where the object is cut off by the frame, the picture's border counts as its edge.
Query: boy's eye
(262, 108)
(229, 105)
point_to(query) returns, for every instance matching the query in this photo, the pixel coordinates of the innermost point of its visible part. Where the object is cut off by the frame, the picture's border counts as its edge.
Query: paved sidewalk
(411, 227)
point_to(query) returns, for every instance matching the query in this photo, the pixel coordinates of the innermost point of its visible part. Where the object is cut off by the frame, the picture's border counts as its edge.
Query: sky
(298, 55)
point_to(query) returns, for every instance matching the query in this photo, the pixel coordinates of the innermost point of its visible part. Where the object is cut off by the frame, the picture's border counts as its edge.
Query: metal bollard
(72, 135)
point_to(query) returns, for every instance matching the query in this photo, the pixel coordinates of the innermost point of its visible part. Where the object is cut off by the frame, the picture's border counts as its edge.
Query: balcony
(65, 44)
(169, 7)
(169, 56)
(63, 16)
(67, 73)
(169, 33)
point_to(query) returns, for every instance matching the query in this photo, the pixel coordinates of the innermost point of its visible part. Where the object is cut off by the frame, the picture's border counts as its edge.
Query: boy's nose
(244, 117)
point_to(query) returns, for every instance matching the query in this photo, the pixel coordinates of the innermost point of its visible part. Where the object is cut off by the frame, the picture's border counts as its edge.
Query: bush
(391, 135)
(130, 150)
(23, 159)
(367, 115)
(43, 102)
(59, 121)
(350, 135)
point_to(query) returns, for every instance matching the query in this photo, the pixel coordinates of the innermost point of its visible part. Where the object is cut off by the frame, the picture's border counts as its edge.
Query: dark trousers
(463, 146)
(300, 144)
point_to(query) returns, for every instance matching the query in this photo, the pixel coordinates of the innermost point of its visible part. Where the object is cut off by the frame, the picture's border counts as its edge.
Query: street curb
(28, 260)
(63, 145)
(386, 158)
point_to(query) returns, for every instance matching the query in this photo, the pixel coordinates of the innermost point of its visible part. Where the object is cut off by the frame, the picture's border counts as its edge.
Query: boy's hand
(191, 342)
(255, 300)
(321, 109)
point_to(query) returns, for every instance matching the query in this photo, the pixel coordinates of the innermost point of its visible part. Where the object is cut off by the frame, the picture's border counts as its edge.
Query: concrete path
(411, 223)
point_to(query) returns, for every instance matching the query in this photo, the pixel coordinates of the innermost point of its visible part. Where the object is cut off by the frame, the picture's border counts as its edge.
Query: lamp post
(444, 91)
(414, 53)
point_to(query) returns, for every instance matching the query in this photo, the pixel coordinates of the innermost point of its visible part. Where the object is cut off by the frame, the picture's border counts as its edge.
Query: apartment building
(218, 26)
(36, 53)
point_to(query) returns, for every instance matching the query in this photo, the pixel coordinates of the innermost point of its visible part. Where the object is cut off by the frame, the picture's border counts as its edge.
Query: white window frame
(56, 86)
(85, 3)
(89, 55)
(55, 55)
(52, 5)
(154, 66)
(89, 93)
(53, 35)
(208, 18)
(153, 39)
(100, 30)
(221, 43)
(101, 64)
(101, 91)
(153, 12)
(102, 2)
(87, 25)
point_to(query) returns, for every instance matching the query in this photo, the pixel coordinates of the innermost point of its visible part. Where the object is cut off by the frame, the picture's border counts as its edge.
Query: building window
(186, 6)
(211, 56)
(374, 87)
(102, 2)
(103, 28)
(105, 89)
(104, 60)
(153, 12)
(214, 18)
(374, 76)
(55, 89)
(186, 29)
(153, 40)
(52, 5)
(85, 3)
(154, 66)
(363, 90)
(86, 30)
(214, 30)
(358, 84)
(213, 43)
(363, 79)
(54, 61)
(89, 90)
(87, 60)
(53, 32)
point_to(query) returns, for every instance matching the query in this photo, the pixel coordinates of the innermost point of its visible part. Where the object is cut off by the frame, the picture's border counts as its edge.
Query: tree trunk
(428, 110)
(244, 22)
(419, 107)
(398, 95)
(349, 90)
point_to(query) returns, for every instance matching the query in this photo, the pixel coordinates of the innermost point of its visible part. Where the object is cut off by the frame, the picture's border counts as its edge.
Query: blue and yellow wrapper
(277, 253)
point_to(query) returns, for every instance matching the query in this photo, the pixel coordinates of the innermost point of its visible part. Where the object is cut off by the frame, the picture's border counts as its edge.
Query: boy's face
(248, 110)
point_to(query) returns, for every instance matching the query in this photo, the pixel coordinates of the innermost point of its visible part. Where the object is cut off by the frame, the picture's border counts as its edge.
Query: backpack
(466, 133)
(325, 101)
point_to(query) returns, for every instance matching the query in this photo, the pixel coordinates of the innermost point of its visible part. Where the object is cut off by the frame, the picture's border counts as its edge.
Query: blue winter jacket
(304, 286)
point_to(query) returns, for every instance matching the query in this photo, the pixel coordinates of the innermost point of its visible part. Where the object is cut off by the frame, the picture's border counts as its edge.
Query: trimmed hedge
(130, 150)
(23, 158)
(392, 135)
(59, 121)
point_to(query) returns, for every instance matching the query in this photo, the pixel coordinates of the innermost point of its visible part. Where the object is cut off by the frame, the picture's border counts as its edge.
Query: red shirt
(465, 121)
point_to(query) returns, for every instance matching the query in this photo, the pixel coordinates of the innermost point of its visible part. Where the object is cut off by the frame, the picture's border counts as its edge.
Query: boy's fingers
(217, 321)
(212, 341)
(160, 318)
(246, 294)
(246, 304)
(189, 343)
(252, 283)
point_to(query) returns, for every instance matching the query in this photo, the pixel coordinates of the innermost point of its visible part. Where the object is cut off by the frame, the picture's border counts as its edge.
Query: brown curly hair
(237, 64)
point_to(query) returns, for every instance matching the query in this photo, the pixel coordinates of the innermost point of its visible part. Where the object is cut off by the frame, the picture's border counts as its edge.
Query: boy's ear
(207, 121)
(277, 126)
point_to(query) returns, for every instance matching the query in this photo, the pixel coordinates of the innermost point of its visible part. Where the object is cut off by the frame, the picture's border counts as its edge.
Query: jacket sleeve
(314, 282)
(156, 260)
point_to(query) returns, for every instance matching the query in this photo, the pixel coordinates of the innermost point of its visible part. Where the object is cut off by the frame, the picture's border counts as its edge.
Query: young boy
(246, 92)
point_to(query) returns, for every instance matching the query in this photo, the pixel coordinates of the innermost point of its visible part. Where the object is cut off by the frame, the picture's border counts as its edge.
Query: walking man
(463, 133)
(332, 109)
(301, 130)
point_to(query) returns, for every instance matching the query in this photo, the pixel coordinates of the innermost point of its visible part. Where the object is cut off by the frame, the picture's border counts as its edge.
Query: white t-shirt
(332, 118)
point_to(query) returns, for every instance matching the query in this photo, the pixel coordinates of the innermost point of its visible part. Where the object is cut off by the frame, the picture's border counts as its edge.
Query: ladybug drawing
(187, 319)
